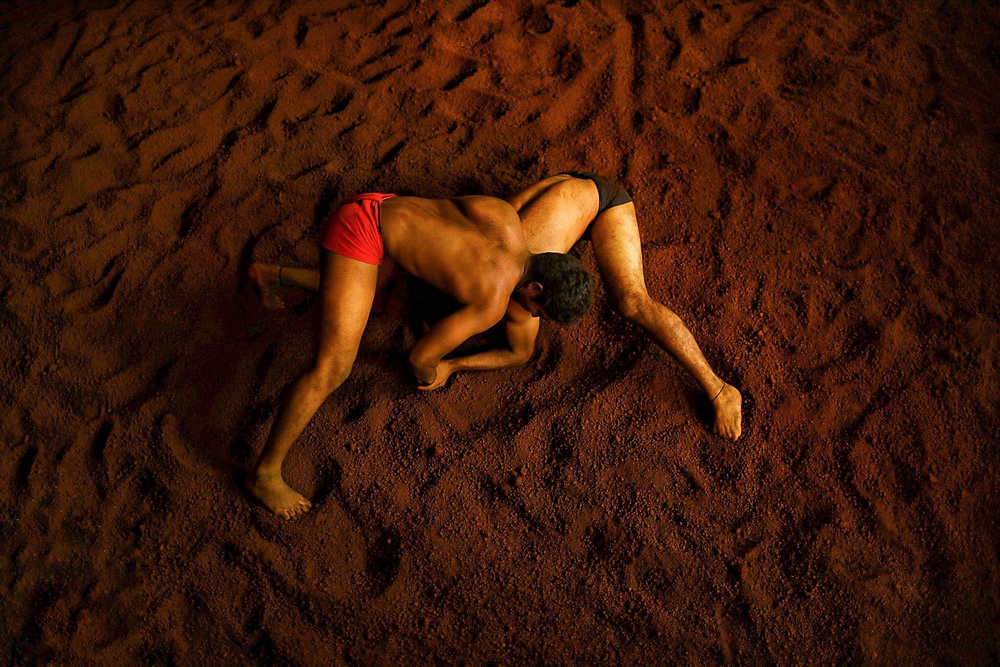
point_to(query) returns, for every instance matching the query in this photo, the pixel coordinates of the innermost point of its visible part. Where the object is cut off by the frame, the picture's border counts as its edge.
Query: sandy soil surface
(816, 184)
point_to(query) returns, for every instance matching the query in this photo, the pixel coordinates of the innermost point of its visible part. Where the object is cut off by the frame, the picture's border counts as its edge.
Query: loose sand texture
(817, 190)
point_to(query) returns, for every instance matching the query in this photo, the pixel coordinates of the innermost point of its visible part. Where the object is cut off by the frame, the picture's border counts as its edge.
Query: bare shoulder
(488, 211)
(487, 284)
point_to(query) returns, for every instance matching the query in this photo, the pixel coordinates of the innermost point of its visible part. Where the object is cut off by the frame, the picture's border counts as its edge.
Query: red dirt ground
(817, 191)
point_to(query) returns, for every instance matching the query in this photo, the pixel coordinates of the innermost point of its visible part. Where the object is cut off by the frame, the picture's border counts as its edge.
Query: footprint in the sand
(812, 187)
(108, 292)
(561, 447)
(383, 553)
(390, 154)
(339, 103)
(375, 78)
(260, 120)
(178, 445)
(471, 9)
(301, 31)
(24, 466)
(652, 573)
(98, 445)
(691, 100)
(468, 70)
(538, 21)
(382, 563)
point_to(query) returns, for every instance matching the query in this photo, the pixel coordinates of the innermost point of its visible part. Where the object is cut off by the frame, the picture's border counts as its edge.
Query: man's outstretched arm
(521, 335)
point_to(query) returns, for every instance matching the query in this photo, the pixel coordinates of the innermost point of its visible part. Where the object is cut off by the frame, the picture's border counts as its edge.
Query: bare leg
(615, 235)
(523, 198)
(269, 278)
(555, 212)
(347, 288)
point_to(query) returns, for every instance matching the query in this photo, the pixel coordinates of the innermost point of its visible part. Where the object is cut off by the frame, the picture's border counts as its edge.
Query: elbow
(522, 357)
(418, 362)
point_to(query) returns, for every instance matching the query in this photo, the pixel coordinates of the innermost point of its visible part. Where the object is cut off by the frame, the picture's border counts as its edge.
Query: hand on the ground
(728, 413)
(444, 371)
(280, 498)
(425, 374)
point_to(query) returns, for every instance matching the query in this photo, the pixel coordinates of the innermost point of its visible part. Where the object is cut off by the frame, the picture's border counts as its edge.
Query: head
(557, 287)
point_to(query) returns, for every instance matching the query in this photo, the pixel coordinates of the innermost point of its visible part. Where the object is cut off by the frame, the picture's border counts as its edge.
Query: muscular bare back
(470, 247)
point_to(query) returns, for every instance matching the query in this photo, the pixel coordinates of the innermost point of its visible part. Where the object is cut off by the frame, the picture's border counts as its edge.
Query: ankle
(266, 472)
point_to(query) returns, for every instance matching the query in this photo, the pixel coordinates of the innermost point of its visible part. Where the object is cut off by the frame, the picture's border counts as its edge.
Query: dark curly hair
(568, 287)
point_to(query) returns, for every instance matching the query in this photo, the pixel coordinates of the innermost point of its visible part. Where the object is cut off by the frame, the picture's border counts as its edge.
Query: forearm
(426, 356)
(489, 360)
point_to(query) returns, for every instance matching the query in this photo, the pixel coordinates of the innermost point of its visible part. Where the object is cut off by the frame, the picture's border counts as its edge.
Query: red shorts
(354, 230)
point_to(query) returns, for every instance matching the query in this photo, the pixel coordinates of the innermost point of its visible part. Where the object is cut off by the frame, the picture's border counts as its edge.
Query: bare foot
(267, 279)
(728, 413)
(276, 495)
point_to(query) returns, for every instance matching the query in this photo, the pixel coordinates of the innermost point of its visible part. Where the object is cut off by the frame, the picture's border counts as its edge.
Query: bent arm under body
(449, 333)
(521, 336)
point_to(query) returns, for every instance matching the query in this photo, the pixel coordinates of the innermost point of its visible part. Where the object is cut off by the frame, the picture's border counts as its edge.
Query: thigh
(346, 291)
(525, 196)
(618, 249)
(558, 217)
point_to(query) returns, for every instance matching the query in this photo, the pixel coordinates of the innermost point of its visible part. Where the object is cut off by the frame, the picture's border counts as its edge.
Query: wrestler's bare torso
(470, 247)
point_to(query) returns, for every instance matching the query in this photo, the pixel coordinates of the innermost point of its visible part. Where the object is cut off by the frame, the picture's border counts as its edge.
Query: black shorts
(610, 193)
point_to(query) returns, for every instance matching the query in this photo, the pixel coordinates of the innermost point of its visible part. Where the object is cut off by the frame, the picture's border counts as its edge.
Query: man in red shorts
(472, 248)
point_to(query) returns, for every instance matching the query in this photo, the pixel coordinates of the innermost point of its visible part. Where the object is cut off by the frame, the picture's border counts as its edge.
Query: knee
(634, 305)
(328, 376)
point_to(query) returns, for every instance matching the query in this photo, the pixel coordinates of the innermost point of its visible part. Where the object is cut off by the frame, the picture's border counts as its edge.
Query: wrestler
(556, 213)
(471, 248)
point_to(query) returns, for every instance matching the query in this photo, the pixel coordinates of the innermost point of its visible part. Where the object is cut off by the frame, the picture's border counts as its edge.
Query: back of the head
(567, 287)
